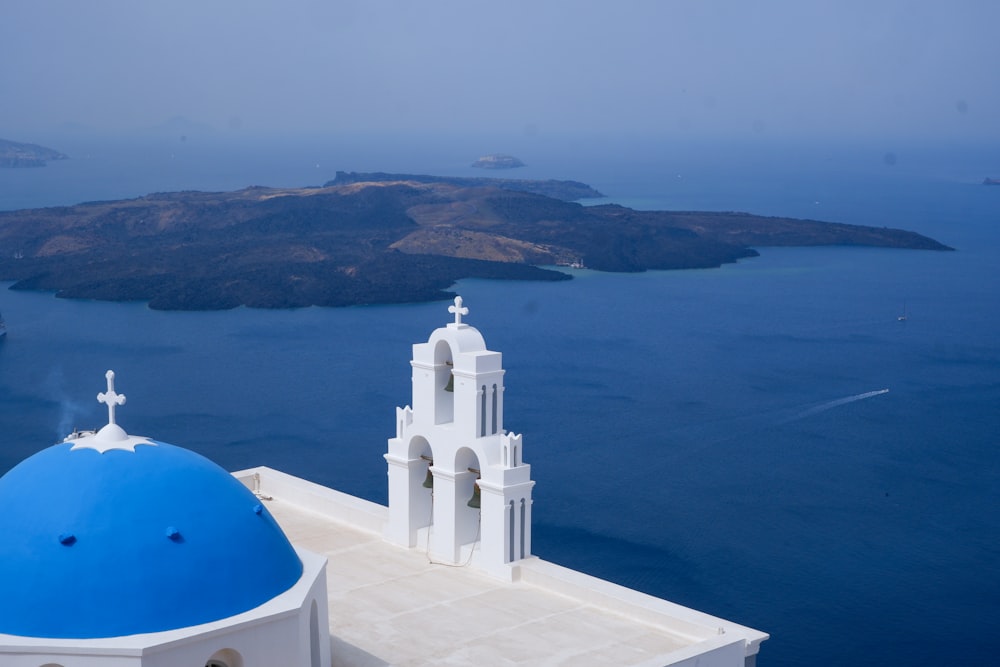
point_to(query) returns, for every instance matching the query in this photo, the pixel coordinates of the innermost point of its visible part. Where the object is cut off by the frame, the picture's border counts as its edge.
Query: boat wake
(823, 407)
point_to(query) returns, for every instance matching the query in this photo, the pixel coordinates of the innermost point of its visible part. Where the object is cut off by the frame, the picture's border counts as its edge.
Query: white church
(121, 550)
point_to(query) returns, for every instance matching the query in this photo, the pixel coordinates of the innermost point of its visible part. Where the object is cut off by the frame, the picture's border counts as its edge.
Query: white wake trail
(823, 407)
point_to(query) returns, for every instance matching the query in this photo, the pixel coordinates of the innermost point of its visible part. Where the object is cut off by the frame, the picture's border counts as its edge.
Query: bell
(451, 377)
(429, 480)
(474, 500)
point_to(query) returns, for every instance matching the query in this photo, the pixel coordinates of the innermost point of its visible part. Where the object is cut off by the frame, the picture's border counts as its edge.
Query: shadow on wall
(343, 654)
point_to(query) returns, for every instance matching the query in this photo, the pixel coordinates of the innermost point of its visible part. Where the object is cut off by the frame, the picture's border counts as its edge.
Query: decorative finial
(458, 309)
(111, 436)
(110, 397)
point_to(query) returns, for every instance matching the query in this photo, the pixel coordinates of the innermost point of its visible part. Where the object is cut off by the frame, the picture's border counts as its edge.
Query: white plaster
(460, 430)
(275, 633)
(391, 605)
(111, 436)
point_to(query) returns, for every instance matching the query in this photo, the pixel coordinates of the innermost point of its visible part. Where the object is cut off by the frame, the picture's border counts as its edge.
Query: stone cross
(458, 309)
(110, 397)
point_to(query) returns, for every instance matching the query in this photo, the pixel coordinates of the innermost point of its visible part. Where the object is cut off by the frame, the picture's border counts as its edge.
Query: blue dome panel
(117, 543)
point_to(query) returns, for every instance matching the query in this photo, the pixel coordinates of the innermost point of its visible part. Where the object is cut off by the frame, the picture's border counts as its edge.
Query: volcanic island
(367, 238)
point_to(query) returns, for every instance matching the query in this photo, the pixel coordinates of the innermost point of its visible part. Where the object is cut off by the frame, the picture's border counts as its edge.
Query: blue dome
(125, 542)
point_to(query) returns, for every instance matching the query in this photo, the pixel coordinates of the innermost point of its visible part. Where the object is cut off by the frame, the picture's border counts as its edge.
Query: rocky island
(365, 239)
(14, 154)
(497, 161)
(564, 190)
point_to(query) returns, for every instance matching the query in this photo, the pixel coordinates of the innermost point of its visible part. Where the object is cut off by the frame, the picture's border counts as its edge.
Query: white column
(494, 548)
(443, 545)
(400, 529)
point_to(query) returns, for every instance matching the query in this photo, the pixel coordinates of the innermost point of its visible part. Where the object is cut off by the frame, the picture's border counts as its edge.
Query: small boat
(902, 318)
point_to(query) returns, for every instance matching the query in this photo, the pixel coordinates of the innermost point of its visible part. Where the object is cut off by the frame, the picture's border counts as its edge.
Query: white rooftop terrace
(392, 606)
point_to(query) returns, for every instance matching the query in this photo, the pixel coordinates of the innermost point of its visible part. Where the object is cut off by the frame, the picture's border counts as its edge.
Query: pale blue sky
(686, 68)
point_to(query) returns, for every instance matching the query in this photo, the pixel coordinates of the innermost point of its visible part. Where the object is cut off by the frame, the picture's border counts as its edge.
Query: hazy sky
(723, 68)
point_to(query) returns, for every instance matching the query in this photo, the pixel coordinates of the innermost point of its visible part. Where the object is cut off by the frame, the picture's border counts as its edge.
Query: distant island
(17, 155)
(564, 190)
(991, 181)
(372, 238)
(498, 161)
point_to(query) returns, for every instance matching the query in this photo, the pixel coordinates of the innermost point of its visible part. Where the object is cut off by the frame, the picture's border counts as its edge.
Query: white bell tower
(457, 484)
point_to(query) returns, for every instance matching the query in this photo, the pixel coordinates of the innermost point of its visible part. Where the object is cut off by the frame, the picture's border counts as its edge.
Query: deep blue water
(719, 438)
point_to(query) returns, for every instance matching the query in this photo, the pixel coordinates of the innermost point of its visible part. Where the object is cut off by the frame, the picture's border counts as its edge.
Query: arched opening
(421, 492)
(445, 383)
(482, 411)
(524, 521)
(226, 657)
(314, 636)
(494, 408)
(468, 497)
(511, 524)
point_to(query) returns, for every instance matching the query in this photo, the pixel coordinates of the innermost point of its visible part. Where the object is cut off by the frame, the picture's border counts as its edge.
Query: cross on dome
(110, 397)
(458, 309)
(111, 436)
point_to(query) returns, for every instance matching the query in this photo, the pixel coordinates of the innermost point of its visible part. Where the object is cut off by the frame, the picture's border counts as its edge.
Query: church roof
(108, 535)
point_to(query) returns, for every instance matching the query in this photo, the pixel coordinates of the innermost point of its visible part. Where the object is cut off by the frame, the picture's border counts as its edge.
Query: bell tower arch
(458, 485)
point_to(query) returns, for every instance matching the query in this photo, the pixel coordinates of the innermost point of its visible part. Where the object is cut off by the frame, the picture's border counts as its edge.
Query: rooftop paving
(393, 606)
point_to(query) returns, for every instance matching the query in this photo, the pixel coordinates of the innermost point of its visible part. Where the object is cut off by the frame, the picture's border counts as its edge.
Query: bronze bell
(429, 480)
(451, 378)
(474, 500)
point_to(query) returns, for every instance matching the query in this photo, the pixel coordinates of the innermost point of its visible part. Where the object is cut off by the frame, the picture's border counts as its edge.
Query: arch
(482, 411)
(314, 657)
(466, 458)
(421, 458)
(467, 519)
(443, 352)
(226, 657)
(511, 524)
(495, 414)
(52, 664)
(471, 455)
(419, 495)
(419, 446)
(444, 400)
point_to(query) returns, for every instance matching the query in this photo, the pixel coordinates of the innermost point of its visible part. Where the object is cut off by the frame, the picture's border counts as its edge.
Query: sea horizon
(766, 441)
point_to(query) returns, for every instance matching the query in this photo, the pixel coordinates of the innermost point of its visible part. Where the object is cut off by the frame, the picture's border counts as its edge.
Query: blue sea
(765, 441)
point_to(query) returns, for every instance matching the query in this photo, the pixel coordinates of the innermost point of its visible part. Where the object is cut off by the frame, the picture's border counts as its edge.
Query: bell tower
(458, 486)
